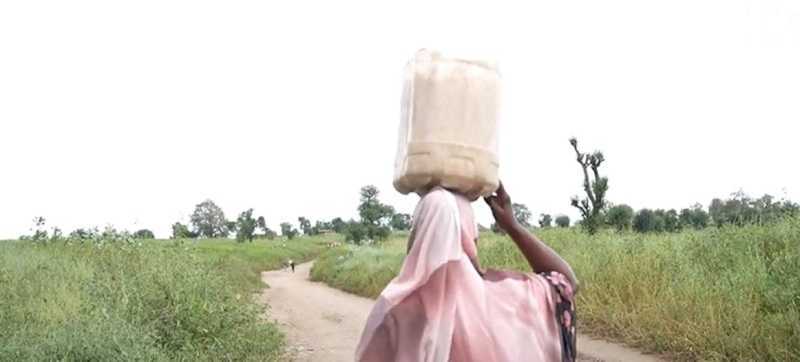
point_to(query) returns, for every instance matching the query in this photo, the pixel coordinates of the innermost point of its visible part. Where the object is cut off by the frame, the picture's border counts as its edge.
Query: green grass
(245, 261)
(162, 301)
(717, 294)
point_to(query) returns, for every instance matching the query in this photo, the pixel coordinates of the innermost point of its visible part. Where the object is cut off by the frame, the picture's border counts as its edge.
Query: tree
(305, 225)
(401, 221)
(590, 207)
(375, 215)
(143, 234)
(209, 221)
(230, 228)
(671, 222)
(740, 209)
(620, 216)
(338, 225)
(355, 232)
(545, 220)
(522, 214)
(245, 226)
(288, 231)
(645, 221)
(39, 229)
(180, 231)
(562, 221)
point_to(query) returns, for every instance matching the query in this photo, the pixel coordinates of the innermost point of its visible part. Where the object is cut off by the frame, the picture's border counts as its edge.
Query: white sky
(130, 113)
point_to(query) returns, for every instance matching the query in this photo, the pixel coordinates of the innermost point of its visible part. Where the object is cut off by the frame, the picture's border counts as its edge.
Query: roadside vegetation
(111, 297)
(727, 293)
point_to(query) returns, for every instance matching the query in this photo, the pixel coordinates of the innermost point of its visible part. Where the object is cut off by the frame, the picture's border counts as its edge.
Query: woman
(444, 307)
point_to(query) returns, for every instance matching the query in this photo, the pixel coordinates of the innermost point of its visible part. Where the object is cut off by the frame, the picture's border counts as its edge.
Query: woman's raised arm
(541, 258)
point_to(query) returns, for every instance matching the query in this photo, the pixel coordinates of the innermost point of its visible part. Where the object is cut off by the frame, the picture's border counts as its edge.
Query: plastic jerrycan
(448, 126)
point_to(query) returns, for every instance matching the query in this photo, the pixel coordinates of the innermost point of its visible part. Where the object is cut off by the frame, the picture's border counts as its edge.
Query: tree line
(739, 209)
(376, 222)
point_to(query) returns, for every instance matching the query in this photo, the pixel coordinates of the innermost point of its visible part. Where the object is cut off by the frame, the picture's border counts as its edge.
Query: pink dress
(440, 309)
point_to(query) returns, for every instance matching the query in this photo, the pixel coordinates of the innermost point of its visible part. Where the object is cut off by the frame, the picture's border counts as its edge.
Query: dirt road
(324, 324)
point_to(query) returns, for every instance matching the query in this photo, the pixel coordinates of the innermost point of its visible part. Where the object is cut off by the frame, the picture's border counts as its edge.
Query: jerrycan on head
(448, 126)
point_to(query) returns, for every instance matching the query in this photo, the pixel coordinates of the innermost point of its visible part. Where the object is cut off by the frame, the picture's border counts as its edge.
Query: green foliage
(305, 226)
(545, 221)
(645, 221)
(595, 187)
(722, 294)
(562, 221)
(82, 234)
(244, 262)
(620, 217)
(401, 221)
(245, 226)
(522, 214)
(740, 209)
(671, 221)
(338, 225)
(181, 231)
(695, 217)
(144, 234)
(155, 303)
(288, 231)
(375, 216)
(209, 221)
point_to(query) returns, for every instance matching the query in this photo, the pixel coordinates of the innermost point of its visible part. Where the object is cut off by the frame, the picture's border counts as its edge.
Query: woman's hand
(503, 212)
(540, 257)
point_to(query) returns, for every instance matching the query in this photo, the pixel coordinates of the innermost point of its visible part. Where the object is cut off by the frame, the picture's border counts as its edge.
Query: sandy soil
(324, 324)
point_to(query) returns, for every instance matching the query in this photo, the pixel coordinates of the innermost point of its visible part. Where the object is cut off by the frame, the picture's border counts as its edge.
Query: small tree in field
(696, 217)
(562, 221)
(181, 231)
(645, 221)
(375, 215)
(522, 214)
(594, 186)
(144, 234)
(288, 231)
(338, 225)
(208, 220)
(620, 217)
(545, 221)
(245, 226)
(305, 225)
(401, 221)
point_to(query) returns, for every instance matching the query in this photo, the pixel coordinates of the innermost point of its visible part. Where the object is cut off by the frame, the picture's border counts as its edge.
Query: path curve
(324, 324)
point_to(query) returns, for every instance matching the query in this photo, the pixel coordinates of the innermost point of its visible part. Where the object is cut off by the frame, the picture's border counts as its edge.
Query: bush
(144, 234)
(562, 221)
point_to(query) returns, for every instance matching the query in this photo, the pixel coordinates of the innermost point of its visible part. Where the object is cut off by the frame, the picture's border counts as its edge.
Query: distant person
(444, 307)
(291, 264)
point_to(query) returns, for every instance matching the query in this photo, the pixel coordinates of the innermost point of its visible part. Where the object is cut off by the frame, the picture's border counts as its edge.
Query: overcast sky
(130, 113)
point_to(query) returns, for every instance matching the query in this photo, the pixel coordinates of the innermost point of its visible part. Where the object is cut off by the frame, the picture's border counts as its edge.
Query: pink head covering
(439, 308)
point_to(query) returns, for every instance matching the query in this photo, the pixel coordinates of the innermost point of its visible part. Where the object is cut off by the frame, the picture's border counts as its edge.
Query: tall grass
(718, 294)
(157, 302)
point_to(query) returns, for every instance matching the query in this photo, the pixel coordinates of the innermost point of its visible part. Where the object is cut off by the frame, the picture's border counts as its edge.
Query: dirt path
(324, 324)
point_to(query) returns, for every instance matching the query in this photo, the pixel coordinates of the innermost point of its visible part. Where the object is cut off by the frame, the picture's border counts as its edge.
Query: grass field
(718, 294)
(165, 300)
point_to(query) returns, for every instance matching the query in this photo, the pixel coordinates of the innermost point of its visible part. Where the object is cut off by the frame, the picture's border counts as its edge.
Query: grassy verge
(244, 262)
(717, 294)
(161, 301)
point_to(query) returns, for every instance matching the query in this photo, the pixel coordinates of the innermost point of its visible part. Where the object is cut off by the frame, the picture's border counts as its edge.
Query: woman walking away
(444, 307)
